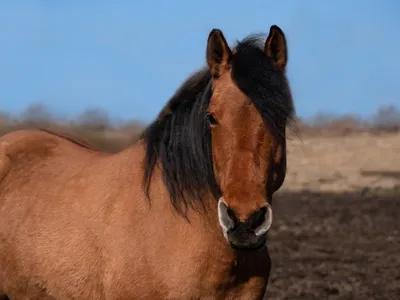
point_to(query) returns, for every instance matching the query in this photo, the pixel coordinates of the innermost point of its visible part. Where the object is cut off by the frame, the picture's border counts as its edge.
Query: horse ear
(218, 53)
(276, 48)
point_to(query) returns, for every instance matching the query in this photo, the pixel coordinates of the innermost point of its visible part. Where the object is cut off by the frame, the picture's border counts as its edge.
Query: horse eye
(211, 120)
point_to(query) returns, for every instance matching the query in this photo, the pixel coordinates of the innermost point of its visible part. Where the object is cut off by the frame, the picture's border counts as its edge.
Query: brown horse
(181, 214)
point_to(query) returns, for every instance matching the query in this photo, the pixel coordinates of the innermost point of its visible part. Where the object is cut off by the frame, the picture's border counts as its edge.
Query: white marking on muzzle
(263, 228)
(224, 220)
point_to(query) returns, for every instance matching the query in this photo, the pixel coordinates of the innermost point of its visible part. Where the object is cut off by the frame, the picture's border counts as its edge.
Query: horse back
(27, 149)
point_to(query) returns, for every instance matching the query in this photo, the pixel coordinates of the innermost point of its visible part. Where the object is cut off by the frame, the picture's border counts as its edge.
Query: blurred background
(102, 70)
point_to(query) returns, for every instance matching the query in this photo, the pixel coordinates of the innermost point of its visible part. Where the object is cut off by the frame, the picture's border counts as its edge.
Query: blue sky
(128, 57)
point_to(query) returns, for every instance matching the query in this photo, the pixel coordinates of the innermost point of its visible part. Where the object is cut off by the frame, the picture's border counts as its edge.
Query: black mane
(180, 139)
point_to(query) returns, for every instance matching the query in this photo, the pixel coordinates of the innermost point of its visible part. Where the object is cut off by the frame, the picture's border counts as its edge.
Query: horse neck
(202, 220)
(199, 233)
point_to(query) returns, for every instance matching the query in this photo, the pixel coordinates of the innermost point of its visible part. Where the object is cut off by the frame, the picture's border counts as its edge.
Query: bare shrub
(94, 119)
(387, 118)
(36, 115)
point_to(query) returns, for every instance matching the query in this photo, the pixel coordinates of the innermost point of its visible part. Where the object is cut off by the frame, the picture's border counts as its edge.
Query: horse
(181, 213)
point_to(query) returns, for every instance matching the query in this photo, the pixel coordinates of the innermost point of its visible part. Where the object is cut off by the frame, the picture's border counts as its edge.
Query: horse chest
(193, 279)
(252, 290)
(215, 281)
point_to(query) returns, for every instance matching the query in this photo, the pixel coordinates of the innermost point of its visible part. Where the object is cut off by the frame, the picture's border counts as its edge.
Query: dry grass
(347, 163)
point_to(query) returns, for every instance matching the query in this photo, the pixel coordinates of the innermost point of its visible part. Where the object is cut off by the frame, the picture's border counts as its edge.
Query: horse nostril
(257, 218)
(233, 217)
(258, 222)
(226, 216)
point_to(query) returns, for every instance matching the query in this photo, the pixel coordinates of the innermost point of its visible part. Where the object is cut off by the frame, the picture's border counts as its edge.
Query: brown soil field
(335, 246)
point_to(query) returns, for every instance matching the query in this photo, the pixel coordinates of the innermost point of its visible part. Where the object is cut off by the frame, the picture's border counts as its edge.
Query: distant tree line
(96, 126)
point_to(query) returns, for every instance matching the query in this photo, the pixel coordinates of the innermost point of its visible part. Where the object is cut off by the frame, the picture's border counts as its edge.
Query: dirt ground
(336, 230)
(335, 246)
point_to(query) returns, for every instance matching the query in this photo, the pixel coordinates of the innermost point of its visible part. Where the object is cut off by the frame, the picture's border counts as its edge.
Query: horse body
(106, 249)
(181, 214)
